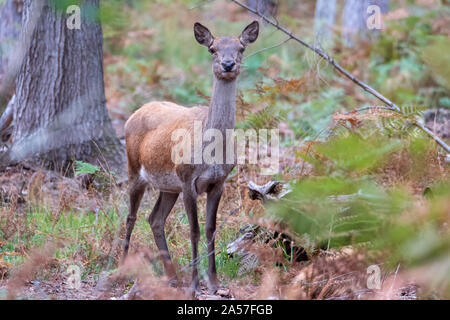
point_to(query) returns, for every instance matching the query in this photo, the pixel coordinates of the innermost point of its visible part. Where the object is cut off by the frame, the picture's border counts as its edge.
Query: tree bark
(355, 17)
(59, 111)
(10, 24)
(265, 7)
(323, 22)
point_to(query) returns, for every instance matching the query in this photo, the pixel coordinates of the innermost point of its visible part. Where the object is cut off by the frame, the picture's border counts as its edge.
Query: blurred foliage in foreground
(347, 202)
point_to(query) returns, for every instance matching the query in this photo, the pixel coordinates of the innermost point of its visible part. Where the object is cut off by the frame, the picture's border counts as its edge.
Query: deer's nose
(228, 65)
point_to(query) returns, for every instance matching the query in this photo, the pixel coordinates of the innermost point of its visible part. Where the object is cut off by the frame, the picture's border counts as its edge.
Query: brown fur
(150, 128)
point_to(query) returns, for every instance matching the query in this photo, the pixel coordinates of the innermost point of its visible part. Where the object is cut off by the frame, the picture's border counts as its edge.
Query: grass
(92, 240)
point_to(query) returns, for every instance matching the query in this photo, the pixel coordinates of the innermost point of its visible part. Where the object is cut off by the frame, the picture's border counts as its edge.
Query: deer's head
(226, 51)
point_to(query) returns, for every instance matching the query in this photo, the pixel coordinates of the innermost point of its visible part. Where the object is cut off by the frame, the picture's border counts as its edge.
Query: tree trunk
(355, 19)
(59, 110)
(323, 22)
(265, 7)
(10, 24)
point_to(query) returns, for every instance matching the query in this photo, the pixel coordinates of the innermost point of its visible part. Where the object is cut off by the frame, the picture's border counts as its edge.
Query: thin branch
(393, 281)
(337, 66)
(433, 136)
(269, 48)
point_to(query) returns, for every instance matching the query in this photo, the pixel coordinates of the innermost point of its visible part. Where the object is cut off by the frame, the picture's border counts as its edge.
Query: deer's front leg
(190, 203)
(212, 205)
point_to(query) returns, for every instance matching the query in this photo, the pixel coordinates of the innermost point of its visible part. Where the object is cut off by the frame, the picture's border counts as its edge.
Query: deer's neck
(222, 110)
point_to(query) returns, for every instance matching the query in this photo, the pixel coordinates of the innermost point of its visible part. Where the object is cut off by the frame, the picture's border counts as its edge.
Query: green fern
(85, 168)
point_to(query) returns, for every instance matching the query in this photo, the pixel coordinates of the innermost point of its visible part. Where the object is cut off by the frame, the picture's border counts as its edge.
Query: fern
(85, 168)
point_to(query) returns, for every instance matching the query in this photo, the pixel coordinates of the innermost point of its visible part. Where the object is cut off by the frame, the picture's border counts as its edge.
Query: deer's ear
(203, 35)
(250, 33)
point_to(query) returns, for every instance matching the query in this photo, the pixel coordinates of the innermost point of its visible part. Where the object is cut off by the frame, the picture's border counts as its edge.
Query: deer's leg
(190, 203)
(137, 190)
(212, 205)
(157, 220)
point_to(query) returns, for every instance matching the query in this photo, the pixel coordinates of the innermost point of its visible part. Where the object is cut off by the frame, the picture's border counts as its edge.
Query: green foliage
(437, 60)
(85, 168)
(113, 17)
(102, 181)
(354, 154)
(419, 240)
(62, 5)
(268, 118)
(344, 204)
(312, 116)
(397, 65)
(81, 234)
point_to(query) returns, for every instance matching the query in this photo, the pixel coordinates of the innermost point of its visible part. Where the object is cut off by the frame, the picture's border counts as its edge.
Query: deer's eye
(241, 50)
(212, 50)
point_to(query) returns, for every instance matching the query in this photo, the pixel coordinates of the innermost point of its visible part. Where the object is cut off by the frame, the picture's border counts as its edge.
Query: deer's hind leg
(157, 220)
(137, 190)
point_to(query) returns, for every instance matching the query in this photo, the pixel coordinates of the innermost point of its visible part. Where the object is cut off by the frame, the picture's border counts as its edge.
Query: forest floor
(45, 234)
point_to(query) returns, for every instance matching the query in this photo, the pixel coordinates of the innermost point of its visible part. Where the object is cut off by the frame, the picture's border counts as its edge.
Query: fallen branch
(337, 66)
(273, 190)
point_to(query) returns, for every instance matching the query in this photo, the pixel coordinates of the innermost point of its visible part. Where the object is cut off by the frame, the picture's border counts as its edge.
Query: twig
(269, 48)
(337, 66)
(433, 136)
(393, 282)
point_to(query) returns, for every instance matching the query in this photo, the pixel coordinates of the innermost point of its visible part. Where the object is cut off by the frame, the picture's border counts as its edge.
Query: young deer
(149, 148)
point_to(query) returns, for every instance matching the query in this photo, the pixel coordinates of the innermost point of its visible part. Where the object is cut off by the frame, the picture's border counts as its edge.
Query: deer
(148, 140)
